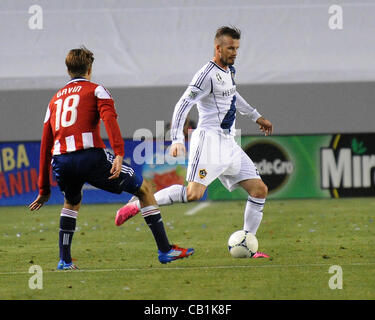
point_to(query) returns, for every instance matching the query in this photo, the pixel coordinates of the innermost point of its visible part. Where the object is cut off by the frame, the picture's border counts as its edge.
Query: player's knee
(145, 190)
(193, 194)
(265, 190)
(260, 191)
(73, 200)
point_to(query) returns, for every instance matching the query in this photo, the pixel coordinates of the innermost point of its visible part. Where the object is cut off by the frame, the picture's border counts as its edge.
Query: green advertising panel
(309, 166)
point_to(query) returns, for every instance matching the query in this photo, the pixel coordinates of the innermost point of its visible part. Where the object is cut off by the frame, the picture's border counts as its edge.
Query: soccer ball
(242, 244)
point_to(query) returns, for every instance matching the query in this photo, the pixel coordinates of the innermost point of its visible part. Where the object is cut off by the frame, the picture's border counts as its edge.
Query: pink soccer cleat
(259, 254)
(126, 212)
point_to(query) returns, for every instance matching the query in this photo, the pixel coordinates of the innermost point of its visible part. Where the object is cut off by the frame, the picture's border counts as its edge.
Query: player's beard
(227, 61)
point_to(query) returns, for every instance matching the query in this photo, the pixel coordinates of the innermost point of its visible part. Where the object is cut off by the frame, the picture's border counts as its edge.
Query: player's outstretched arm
(199, 87)
(44, 165)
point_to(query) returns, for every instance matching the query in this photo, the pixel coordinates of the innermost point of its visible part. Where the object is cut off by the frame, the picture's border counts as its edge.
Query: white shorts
(215, 155)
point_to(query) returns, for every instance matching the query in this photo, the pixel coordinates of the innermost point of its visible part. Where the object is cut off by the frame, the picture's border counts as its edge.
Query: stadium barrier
(292, 166)
(310, 166)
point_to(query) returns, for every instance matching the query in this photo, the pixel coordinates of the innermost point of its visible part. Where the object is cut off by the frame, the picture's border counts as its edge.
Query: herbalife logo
(348, 163)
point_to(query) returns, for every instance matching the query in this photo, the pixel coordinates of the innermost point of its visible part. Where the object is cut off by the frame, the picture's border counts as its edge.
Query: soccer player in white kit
(213, 152)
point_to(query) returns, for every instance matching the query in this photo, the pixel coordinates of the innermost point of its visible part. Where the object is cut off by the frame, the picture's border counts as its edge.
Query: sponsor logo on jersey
(229, 92)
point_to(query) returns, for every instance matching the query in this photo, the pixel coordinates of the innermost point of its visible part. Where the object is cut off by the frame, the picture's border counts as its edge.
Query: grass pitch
(304, 238)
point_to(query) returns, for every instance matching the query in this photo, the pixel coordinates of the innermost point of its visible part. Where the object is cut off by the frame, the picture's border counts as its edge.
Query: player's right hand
(177, 149)
(265, 126)
(39, 202)
(116, 167)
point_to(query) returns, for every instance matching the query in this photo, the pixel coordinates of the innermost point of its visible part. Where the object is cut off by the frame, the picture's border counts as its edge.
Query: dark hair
(233, 32)
(79, 61)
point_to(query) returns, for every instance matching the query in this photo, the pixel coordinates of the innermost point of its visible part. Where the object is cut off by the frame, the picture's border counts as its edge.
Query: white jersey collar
(76, 79)
(227, 71)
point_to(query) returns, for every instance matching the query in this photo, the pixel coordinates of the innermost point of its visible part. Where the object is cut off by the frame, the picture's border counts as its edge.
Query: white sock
(170, 195)
(253, 214)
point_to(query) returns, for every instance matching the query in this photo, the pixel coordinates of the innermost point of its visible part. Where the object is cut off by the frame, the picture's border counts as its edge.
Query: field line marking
(196, 267)
(197, 208)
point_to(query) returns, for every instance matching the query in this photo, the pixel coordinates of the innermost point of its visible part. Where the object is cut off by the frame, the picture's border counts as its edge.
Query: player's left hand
(116, 167)
(177, 149)
(39, 202)
(265, 126)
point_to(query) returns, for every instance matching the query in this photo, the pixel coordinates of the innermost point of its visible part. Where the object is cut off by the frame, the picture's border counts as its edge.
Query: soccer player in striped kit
(213, 151)
(71, 139)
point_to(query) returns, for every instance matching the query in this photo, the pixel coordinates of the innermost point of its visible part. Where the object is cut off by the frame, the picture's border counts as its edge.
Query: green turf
(304, 238)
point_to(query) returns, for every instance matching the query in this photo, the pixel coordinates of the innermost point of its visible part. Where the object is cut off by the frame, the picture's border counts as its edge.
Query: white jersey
(213, 90)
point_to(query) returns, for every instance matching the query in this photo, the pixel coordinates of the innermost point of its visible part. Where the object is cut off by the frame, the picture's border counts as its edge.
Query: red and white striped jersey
(72, 123)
